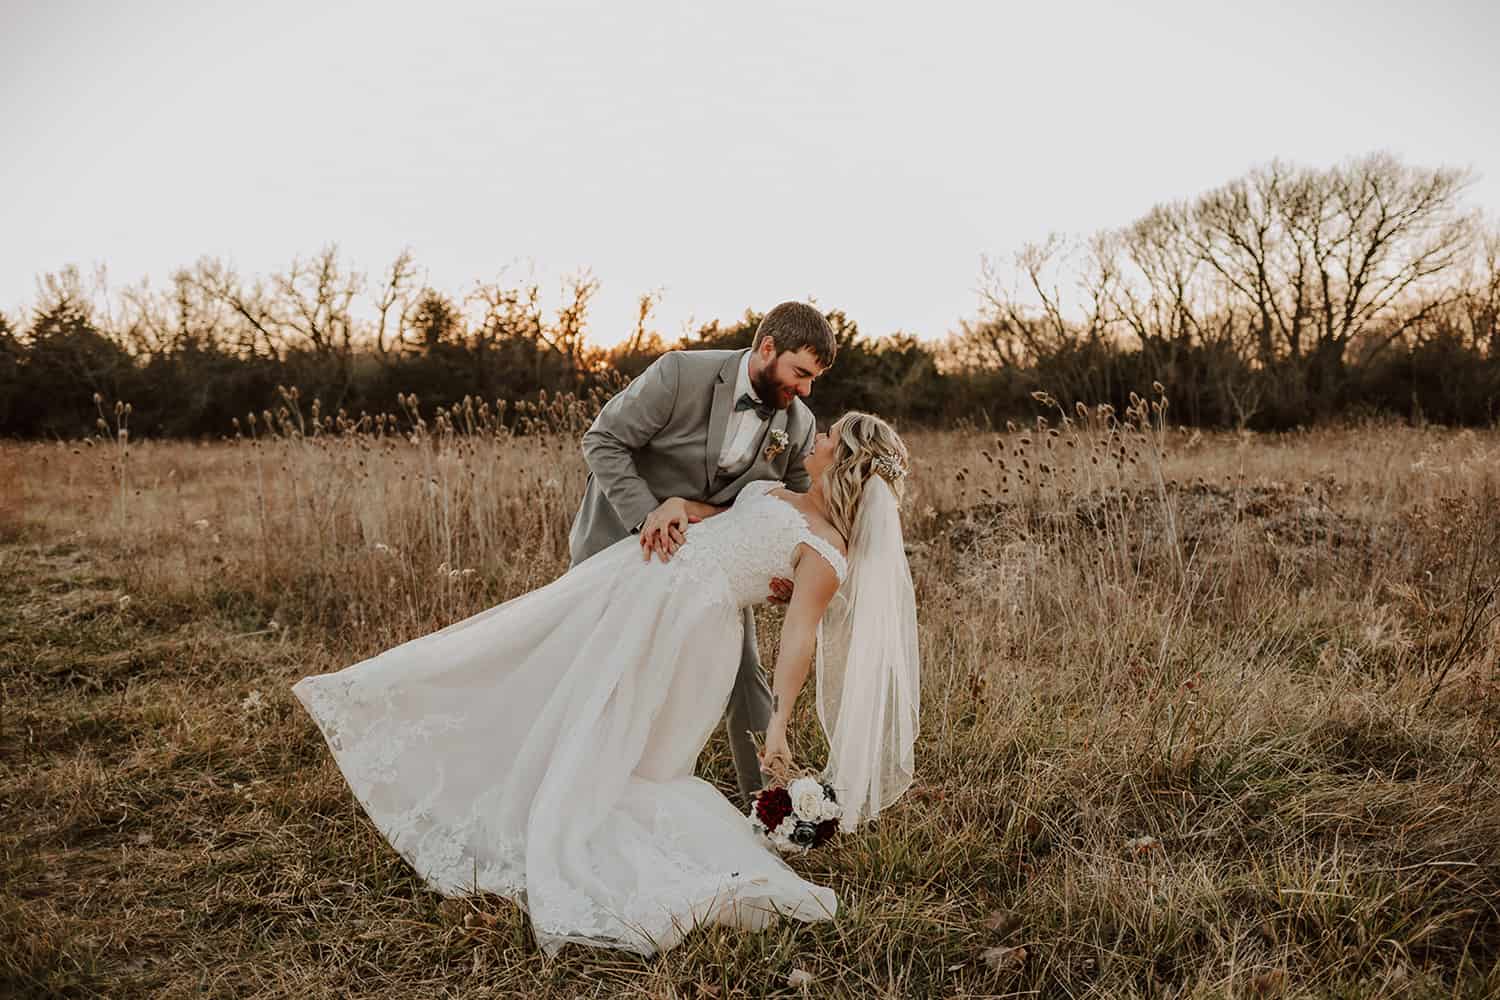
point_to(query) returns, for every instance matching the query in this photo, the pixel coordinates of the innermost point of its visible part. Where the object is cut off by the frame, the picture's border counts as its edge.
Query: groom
(699, 426)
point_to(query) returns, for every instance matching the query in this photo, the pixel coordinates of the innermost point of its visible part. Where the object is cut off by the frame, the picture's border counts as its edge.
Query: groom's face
(785, 376)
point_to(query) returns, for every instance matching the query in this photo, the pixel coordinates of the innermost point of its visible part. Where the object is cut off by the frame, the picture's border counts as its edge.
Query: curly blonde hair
(865, 446)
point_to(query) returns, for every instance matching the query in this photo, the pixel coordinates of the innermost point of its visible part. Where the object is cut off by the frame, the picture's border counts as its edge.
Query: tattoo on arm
(775, 702)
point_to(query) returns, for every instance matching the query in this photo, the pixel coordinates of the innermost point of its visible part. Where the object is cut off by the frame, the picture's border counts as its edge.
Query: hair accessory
(888, 468)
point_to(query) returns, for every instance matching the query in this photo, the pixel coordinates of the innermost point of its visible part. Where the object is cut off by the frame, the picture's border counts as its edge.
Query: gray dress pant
(749, 709)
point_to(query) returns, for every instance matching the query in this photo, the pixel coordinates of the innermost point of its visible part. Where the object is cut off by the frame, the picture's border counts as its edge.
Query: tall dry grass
(1203, 715)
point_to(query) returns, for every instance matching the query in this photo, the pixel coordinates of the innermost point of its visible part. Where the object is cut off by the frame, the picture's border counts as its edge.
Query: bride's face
(821, 456)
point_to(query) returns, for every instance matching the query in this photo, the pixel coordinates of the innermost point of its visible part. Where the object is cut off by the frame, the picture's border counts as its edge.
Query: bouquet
(797, 815)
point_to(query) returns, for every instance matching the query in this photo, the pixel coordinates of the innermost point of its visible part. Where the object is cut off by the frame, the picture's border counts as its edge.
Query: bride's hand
(776, 754)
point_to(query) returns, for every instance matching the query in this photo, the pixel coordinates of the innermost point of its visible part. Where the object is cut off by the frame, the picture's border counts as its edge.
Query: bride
(544, 749)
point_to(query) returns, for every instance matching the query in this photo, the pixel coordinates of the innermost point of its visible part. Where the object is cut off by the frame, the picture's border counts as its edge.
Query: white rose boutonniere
(776, 443)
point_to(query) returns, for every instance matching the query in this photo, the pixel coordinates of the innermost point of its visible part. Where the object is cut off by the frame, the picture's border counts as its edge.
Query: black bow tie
(749, 402)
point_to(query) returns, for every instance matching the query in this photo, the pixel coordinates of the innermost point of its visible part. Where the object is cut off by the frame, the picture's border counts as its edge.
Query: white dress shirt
(743, 428)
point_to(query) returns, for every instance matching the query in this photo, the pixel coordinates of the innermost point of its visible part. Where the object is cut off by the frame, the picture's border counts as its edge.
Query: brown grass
(1210, 716)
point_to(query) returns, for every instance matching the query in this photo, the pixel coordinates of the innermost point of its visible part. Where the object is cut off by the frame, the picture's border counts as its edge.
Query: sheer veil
(867, 669)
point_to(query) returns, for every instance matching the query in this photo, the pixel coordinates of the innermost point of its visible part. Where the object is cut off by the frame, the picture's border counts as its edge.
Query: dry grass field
(1204, 715)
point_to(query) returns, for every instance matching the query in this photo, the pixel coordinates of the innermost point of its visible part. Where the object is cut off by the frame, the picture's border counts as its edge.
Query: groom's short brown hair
(795, 325)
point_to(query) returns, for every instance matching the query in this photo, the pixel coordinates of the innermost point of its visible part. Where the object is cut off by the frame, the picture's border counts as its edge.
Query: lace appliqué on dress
(805, 533)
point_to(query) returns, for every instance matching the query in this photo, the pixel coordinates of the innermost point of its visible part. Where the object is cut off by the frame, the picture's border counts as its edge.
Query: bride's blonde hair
(865, 446)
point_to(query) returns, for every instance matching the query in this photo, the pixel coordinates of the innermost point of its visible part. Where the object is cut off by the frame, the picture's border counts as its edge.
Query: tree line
(1288, 296)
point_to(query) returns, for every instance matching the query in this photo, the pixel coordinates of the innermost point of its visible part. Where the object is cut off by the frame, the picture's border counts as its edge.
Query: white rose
(807, 798)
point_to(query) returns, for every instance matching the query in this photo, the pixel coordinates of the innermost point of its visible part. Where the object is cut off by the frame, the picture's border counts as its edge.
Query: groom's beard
(771, 391)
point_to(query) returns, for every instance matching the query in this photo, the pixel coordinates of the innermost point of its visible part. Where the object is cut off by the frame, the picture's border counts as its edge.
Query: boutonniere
(776, 444)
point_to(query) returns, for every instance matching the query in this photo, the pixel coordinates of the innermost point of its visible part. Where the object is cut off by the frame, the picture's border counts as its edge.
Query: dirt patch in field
(1196, 514)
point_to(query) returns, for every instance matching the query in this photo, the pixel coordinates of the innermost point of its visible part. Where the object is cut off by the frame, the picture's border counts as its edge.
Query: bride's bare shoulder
(819, 524)
(826, 531)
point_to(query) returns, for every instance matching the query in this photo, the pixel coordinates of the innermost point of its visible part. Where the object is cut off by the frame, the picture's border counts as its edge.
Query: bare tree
(504, 314)
(1233, 230)
(568, 334)
(314, 300)
(643, 335)
(1482, 303)
(393, 305)
(256, 331)
(1472, 317)
(1328, 258)
(1163, 306)
(184, 316)
(1018, 327)
(1053, 313)
(1391, 232)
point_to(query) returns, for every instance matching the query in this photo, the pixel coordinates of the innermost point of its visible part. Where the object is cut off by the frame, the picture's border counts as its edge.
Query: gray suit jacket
(661, 438)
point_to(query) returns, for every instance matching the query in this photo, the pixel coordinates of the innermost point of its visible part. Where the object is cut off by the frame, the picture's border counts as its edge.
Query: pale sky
(864, 154)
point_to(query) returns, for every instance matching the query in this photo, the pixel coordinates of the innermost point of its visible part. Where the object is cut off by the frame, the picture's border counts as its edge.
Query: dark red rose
(772, 806)
(826, 830)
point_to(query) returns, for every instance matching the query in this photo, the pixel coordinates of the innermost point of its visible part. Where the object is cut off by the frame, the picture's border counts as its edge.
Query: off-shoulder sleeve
(828, 551)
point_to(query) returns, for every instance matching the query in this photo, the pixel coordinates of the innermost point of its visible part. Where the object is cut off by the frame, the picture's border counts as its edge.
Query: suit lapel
(718, 416)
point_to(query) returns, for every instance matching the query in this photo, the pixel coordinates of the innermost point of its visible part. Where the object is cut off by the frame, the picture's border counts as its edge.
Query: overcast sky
(863, 154)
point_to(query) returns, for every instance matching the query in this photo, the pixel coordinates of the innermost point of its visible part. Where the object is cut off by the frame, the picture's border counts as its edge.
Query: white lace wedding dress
(544, 749)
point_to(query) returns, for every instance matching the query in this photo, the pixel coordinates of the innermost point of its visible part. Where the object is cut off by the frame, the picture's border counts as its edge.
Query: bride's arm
(698, 510)
(681, 511)
(814, 584)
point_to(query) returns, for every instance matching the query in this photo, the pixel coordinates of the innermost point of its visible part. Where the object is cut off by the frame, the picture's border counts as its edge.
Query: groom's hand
(663, 530)
(781, 591)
